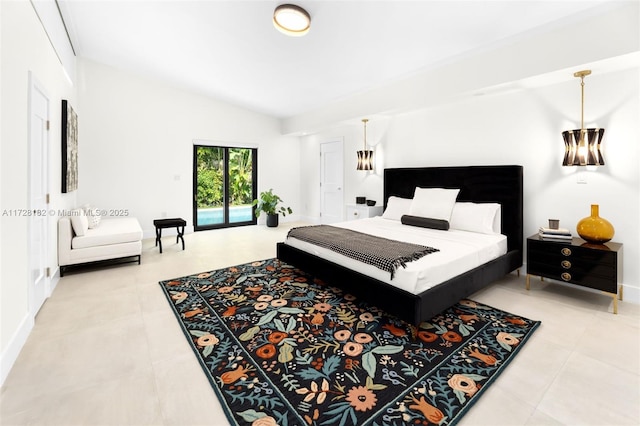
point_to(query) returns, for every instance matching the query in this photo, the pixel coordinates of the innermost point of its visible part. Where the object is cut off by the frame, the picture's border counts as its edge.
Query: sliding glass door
(224, 185)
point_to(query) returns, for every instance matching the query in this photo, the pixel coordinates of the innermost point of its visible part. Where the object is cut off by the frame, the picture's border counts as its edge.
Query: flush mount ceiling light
(291, 20)
(582, 146)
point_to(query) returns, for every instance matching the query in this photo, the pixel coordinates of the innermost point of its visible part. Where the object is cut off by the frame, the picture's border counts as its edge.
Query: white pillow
(79, 222)
(94, 218)
(93, 215)
(434, 203)
(497, 221)
(483, 218)
(397, 207)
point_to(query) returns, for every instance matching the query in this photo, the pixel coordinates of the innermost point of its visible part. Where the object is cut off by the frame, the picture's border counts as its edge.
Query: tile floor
(106, 349)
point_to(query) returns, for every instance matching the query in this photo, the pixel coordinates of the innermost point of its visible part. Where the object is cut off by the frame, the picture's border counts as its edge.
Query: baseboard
(311, 219)
(53, 282)
(631, 294)
(11, 352)
(19, 338)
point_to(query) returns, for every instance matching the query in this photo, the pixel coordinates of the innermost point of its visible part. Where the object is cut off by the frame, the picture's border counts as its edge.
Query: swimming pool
(215, 216)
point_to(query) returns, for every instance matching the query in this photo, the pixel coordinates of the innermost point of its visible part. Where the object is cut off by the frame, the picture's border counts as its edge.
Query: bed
(477, 184)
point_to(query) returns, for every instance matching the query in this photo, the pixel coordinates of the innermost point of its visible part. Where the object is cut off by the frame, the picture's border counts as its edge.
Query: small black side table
(160, 224)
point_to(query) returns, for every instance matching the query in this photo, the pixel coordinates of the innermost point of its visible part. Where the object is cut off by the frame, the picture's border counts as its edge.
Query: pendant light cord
(582, 106)
(364, 120)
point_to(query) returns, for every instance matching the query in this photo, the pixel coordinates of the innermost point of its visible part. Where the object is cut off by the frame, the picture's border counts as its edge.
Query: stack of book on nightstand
(559, 234)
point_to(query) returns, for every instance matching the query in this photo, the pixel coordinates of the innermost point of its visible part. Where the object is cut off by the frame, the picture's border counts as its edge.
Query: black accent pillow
(425, 222)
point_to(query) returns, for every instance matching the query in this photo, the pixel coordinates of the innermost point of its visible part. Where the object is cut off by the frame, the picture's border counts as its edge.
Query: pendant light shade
(365, 160)
(365, 157)
(582, 146)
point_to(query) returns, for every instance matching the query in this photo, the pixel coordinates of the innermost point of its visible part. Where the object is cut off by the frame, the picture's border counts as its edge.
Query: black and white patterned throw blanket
(382, 253)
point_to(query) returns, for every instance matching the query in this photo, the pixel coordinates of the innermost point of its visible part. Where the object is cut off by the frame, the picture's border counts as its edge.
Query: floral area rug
(283, 348)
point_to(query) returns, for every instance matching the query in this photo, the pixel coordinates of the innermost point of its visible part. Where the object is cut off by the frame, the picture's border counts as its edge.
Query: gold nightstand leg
(518, 272)
(620, 292)
(527, 281)
(615, 297)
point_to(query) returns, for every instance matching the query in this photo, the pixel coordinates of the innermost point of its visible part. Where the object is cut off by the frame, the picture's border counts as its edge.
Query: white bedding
(460, 251)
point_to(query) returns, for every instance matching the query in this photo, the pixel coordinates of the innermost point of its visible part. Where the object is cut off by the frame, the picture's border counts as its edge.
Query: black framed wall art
(69, 148)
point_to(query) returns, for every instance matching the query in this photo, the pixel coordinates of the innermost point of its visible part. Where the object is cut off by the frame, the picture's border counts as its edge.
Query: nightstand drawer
(605, 280)
(362, 211)
(560, 251)
(546, 262)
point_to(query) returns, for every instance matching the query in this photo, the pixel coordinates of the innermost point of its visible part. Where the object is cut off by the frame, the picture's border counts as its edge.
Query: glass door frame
(254, 187)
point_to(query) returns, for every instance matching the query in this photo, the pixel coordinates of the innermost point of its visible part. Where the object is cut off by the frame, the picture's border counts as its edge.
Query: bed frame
(480, 184)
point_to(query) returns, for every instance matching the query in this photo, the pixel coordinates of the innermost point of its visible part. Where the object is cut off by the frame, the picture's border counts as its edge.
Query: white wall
(4, 365)
(609, 31)
(520, 127)
(24, 48)
(136, 140)
(357, 183)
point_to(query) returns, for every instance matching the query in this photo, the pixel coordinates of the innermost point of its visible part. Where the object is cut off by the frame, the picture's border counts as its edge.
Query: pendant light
(582, 146)
(365, 157)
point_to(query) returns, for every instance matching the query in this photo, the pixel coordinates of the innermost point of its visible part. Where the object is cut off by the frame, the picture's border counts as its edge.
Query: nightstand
(597, 266)
(362, 211)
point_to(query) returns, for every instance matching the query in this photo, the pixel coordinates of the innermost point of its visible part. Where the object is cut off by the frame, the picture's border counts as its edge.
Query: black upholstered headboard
(480, 184)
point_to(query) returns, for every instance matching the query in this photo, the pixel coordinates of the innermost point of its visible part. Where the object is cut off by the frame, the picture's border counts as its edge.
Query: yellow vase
(595, 229)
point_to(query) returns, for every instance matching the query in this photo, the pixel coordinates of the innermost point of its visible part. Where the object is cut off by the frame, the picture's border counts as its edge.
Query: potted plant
(268, 203)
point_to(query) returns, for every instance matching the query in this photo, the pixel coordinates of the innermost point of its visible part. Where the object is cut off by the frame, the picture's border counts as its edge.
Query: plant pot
(272, 220)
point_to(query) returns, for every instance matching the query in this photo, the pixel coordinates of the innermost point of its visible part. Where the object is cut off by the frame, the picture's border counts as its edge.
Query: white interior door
(331, 182)
(38, 188)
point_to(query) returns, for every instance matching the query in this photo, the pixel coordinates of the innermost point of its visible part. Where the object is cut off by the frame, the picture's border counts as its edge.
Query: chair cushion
(110, 231)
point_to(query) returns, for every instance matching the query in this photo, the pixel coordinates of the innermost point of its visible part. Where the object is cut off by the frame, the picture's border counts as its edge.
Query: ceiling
(229, 50)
